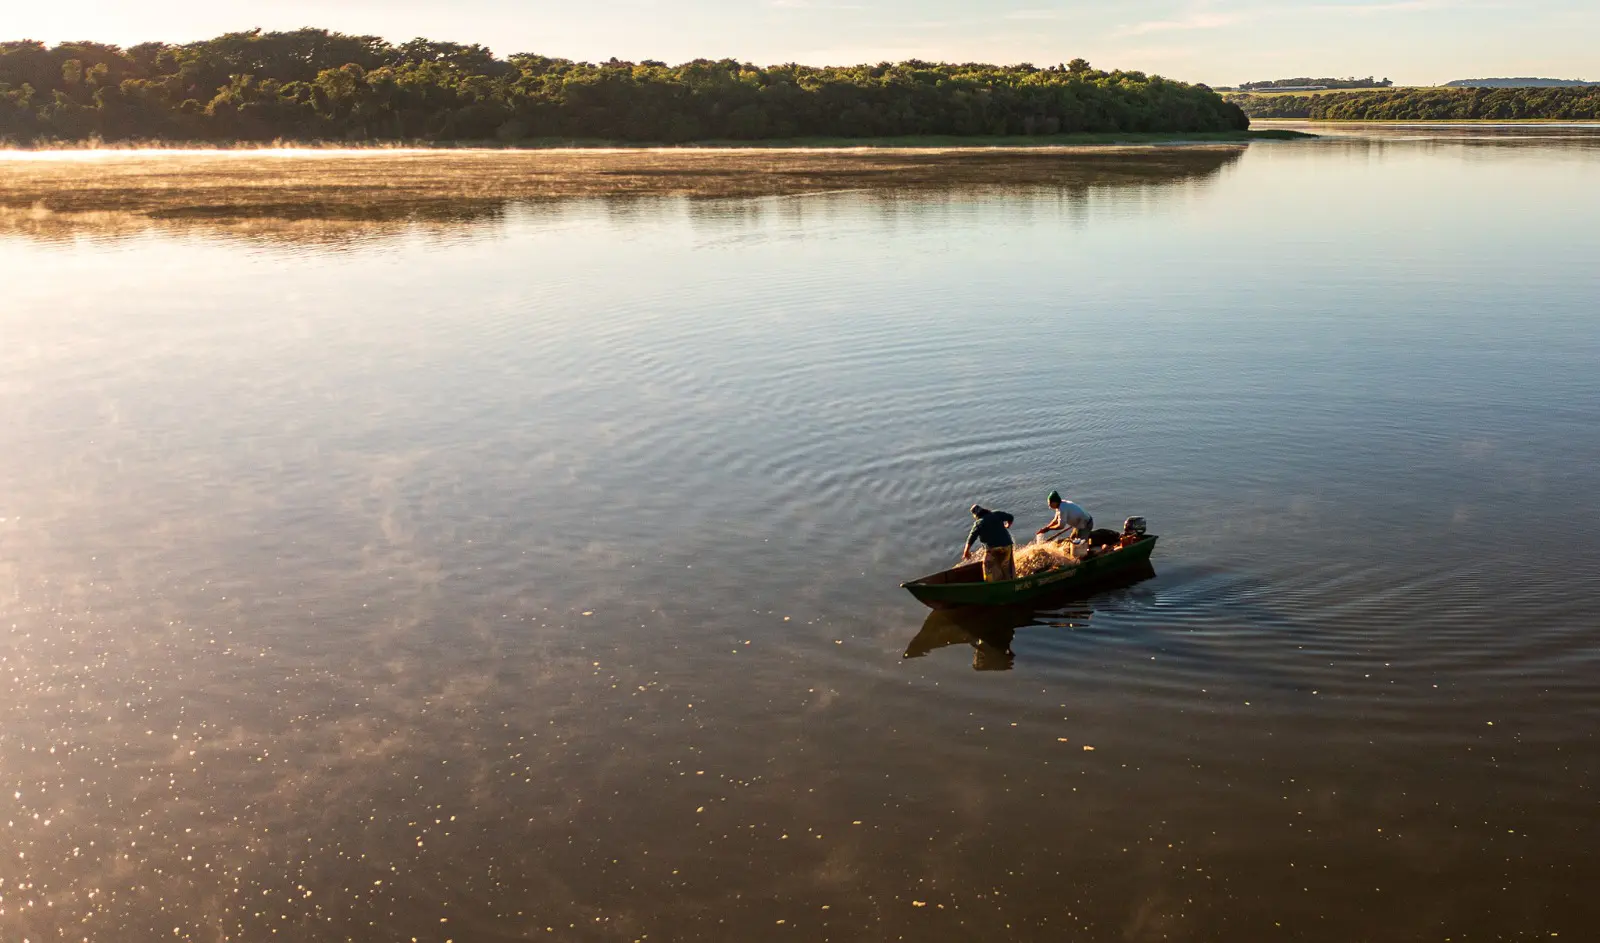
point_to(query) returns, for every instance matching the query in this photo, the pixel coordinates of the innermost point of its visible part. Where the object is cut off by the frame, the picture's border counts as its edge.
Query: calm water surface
(537, 577)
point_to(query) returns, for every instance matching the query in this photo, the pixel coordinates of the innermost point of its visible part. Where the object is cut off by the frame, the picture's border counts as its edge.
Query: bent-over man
(992, 529)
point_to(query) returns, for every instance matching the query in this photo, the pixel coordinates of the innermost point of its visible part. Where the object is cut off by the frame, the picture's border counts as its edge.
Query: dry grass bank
(321, 192)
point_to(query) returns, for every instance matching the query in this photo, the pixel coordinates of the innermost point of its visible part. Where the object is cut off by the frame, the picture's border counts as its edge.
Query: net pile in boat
(1040, 558)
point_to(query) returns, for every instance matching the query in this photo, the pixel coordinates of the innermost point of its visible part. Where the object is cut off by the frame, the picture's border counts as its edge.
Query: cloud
(1397, 6)
(1193, 21)
(861, 55)
(1216, 19)
(812, 5)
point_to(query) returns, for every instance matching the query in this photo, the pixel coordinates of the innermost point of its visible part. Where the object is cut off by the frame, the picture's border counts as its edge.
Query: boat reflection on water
(991, 630)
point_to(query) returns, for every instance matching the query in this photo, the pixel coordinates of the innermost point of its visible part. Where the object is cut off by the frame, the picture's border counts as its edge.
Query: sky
(1219, 42)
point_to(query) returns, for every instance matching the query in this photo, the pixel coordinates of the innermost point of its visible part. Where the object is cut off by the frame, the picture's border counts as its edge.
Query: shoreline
(920, 143)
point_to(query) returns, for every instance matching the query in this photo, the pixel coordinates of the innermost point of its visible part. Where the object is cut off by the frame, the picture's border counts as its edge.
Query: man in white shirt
(1069, 516)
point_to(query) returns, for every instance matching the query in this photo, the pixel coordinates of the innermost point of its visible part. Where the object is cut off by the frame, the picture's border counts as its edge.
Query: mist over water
(533, 570)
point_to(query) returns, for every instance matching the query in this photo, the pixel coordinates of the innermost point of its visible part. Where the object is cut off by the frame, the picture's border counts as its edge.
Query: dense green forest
(311, 85)
(1368, 82)
(1429, 104)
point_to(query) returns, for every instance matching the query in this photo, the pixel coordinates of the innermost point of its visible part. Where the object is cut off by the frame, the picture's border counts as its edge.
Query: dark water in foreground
(537, 578)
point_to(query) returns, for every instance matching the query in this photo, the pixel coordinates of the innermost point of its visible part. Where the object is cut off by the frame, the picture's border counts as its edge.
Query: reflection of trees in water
(1465, 140)
(350, 199)
(932, 186)
(296, 227)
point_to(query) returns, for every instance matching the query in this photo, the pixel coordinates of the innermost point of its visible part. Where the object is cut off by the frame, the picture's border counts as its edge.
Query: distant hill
(1519, 83)
(1304, 83)
(1429, 104)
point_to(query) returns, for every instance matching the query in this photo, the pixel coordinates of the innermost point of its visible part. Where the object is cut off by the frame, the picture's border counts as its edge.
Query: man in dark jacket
(992, 528)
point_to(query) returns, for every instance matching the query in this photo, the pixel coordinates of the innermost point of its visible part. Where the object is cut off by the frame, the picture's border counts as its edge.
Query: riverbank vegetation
(1430, 104)
(316, 85)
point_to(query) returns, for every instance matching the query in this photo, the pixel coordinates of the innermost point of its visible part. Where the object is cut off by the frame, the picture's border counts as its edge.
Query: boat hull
(963, 586)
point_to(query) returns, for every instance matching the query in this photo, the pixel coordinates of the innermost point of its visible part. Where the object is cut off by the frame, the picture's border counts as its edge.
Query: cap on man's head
(1054, 498)
(979, 510)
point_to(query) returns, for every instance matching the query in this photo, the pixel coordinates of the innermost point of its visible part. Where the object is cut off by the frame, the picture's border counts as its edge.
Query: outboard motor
(1133, 526)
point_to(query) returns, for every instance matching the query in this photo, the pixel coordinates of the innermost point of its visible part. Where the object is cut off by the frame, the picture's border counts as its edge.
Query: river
(533, 572)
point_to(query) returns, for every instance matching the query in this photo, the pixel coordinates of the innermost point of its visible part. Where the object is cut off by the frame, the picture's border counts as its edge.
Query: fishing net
(1040, 558)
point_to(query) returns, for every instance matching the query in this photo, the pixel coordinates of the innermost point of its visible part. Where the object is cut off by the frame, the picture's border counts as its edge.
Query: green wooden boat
(964, 585)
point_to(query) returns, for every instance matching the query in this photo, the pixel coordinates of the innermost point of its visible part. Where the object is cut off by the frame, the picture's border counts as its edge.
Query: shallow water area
(389, 564)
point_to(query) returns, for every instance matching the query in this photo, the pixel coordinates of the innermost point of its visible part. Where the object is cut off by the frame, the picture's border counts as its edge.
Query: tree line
(1526, 82)
(1368, 82)
(317, 85)
(1430, 104)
